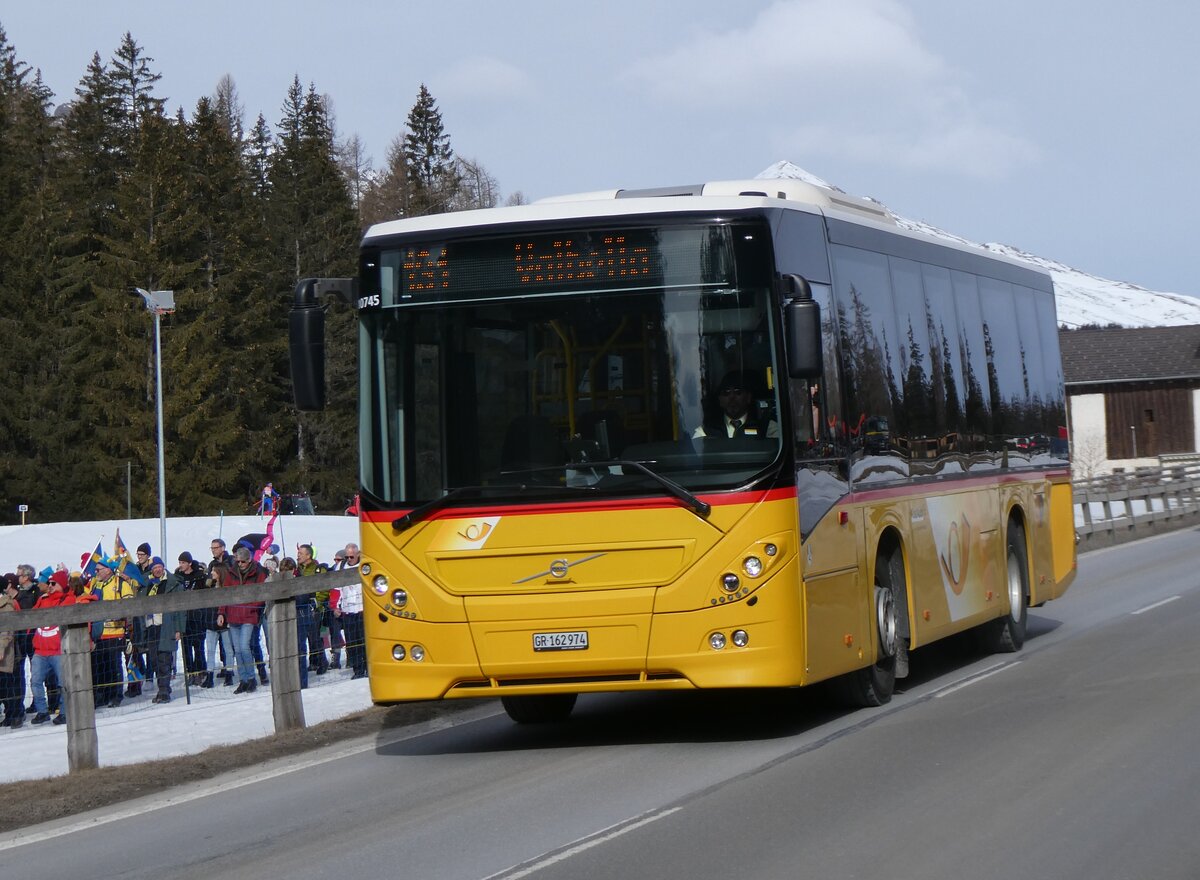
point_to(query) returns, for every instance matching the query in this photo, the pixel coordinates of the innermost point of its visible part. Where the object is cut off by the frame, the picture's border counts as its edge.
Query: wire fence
(118, 673)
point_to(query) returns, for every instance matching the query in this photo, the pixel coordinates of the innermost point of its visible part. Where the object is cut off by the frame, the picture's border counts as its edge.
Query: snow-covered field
(139, 730)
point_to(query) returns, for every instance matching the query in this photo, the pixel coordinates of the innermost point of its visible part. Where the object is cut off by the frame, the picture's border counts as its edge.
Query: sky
(1064, 128)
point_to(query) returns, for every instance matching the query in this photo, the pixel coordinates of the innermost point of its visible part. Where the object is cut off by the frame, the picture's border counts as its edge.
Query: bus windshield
(539, 396)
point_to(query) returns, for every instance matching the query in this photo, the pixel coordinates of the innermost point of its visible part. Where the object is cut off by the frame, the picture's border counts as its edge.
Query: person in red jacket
(241, 619)
(47, 647)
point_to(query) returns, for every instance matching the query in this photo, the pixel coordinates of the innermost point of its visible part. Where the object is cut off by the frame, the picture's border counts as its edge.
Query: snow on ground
(139, 730)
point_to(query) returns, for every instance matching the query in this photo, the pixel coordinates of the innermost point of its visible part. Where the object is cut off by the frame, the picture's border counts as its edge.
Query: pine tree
(428, 158)
(26, 143)
(223, 423)
(315, 232)
(133, 83)
(84, 288)
(108, 194)
(258, 158)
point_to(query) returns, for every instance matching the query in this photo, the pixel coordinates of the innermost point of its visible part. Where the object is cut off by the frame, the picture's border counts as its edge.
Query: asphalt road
(1075, 758)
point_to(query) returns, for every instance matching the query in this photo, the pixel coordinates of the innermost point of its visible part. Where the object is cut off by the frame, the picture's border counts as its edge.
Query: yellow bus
(744, 434)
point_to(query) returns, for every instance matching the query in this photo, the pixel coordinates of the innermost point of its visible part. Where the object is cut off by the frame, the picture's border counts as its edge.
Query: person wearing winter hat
(142, 639)
(146, 635)
(106, 656)
(169, 630)
(47, 653)
(191, 576)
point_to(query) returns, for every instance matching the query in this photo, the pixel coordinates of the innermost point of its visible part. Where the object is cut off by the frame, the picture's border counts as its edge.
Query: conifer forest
(108, 190)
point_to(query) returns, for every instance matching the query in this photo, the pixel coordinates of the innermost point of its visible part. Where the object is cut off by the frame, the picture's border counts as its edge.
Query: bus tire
(539, 708)
(1006, 634)
(874, 685)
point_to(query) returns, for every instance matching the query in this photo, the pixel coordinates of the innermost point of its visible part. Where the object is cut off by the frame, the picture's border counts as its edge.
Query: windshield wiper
(423, 511)
(426, 510)
(702, 508)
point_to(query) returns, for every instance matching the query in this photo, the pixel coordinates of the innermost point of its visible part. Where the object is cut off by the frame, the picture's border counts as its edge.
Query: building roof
(1130, 354)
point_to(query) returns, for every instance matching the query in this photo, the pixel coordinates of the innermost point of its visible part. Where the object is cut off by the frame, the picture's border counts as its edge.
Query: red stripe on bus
(652, 503)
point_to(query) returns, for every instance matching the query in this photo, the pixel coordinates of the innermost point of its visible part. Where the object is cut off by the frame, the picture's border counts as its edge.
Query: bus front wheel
(874, 685)
(539, 708)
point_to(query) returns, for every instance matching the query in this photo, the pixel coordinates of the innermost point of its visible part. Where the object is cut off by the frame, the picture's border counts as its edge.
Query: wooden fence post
(83, 747)
(287, 705)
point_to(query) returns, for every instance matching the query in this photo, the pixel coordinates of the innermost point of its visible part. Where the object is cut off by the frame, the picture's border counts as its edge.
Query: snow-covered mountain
(1082, 298)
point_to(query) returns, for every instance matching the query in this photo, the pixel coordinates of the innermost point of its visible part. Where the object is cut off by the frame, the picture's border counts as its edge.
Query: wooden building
(1133, 395)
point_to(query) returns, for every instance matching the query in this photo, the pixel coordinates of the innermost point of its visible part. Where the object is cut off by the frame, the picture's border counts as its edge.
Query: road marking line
(223, 783)
(585, 843)
(1155, 605)
(972, 679)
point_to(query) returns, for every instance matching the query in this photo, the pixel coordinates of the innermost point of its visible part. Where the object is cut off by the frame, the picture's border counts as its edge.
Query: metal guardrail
(1125, 506)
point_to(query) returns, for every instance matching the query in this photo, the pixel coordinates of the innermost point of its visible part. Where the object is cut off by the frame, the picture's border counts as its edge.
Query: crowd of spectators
(210, 645)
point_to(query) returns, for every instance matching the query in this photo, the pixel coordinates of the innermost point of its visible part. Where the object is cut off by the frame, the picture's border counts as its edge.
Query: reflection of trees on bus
(957, 388)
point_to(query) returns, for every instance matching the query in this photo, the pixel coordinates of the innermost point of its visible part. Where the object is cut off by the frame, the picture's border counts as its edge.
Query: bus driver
(736, 419)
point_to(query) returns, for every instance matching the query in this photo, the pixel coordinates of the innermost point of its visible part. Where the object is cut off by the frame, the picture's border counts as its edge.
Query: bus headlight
(730, 582)
(398, 652)
(417, 653)
(717, 641)
(753, 566)
(741, 638)
(380, 584)
(399, 597)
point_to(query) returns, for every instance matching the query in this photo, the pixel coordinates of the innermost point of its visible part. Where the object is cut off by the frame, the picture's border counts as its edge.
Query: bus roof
(727, 195)
(723, 196)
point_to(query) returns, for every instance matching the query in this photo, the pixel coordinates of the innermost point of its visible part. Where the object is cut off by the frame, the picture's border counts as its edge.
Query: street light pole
(160, 302)
(162, 484)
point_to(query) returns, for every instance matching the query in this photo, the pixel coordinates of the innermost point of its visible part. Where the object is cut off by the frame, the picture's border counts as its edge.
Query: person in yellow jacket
(107, 678)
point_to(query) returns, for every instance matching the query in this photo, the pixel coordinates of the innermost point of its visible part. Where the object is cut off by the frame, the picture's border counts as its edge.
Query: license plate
(563, 641)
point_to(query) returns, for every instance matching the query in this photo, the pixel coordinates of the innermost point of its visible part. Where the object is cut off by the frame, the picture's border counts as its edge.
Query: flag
(126, 567)
(119, 548)
(97, 555)
(269, 538)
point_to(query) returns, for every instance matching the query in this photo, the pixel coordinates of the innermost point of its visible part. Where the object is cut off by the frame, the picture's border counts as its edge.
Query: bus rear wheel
(874, 685)
(539, 708)
(1007, 634)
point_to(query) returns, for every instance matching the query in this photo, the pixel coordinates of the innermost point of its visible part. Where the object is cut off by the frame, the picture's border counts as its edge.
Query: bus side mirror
(306, 338)
(802, 325)
(306, 348)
